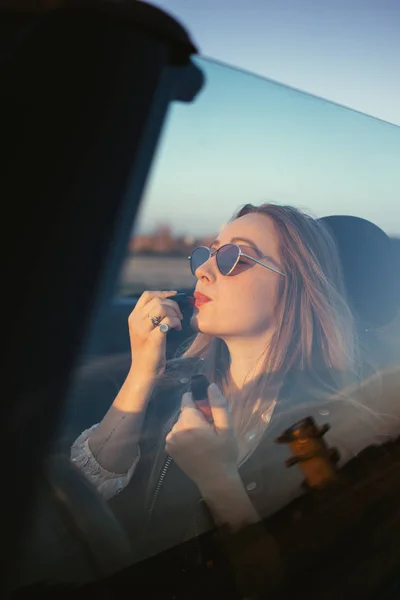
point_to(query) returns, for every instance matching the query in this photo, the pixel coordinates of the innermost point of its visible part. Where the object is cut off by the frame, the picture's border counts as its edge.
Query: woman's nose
(207, 271)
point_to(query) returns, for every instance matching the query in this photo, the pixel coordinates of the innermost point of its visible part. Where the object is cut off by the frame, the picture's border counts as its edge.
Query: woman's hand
(148, 343)
(207, 453)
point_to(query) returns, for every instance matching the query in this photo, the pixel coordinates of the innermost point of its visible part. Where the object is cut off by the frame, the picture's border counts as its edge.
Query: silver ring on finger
(155, 320)
(164, 328)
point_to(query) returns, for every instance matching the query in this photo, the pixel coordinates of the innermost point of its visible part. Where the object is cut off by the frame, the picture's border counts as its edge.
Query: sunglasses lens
(226, 257)
(199, 257)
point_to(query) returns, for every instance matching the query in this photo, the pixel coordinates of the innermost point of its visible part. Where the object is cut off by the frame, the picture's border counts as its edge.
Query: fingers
(173, 322)
(170, 314)
(187, 401)
(190, 410)
(154, 304)
(186, 404)
(161, 306)
(219, 408)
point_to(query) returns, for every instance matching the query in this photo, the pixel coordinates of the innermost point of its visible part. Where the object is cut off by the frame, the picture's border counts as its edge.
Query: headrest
(371, 271)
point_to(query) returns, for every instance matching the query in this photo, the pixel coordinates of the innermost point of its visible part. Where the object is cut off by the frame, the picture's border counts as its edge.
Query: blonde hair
(315, 332)
(315, 336)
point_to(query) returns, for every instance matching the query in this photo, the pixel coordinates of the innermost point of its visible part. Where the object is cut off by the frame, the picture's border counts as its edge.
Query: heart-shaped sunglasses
(227, 258)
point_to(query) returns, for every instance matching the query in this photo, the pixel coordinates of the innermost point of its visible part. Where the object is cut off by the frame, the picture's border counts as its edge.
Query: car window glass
(245, 139)
(248, 139)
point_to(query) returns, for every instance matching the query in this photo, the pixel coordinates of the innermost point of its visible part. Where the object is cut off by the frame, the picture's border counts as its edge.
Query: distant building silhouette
(163, 241)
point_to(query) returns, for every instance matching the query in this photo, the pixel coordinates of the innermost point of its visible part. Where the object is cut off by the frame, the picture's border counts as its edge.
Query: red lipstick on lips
(200, 299)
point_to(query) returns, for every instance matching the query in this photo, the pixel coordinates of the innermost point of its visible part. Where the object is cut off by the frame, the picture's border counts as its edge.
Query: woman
(276, 339)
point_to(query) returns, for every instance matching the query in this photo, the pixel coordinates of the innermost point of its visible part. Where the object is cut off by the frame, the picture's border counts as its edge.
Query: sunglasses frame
(240, 253)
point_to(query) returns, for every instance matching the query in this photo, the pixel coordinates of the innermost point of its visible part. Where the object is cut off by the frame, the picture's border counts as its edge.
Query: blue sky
(248, 139)
(347, 51)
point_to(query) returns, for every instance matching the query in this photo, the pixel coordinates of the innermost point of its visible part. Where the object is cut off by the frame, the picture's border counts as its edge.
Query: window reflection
(245, 140)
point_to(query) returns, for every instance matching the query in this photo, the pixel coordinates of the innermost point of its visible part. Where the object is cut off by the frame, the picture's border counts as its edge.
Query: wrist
(228, 502)
(140, 381)
(220, 484)
(135, 393)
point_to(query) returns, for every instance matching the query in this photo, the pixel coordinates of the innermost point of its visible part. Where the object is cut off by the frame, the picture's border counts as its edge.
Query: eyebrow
(250, 243)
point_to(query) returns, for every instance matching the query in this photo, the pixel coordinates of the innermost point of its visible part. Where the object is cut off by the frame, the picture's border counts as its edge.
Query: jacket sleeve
(97, 450)
(107, 483)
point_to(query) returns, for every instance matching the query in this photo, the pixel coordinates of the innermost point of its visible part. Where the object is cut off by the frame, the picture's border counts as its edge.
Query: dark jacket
(164, 526)
(179, 519)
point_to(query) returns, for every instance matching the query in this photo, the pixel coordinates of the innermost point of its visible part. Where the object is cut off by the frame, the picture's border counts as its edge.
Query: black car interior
(80, 123)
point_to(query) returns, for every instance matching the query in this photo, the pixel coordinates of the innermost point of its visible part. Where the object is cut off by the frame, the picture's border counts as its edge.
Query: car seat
(371, 274)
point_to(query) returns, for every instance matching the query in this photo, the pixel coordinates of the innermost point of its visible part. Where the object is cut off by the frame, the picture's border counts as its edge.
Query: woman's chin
(198, 324)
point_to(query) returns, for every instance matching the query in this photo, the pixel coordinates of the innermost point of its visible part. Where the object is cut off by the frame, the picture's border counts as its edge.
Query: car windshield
(244, 140)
